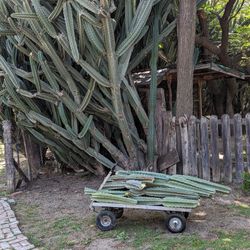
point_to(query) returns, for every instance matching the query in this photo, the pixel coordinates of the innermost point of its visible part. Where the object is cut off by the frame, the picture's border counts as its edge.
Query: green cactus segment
(111, 198)
(24, 16)
(154, 189)
(86, 127)
(57, 10)
(42, 14)
(7, 69)
(68, 17)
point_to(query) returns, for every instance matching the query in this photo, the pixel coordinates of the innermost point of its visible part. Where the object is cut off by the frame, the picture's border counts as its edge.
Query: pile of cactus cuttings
(155, 189)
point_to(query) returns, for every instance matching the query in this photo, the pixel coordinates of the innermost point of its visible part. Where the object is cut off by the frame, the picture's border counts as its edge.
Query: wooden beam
(8, 153)
(169, 83)
(200, 85)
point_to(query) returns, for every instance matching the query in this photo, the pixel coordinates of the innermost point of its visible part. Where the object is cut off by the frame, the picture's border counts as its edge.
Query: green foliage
(241, 208)
(239, 28)
(246, 182)
(143, 236)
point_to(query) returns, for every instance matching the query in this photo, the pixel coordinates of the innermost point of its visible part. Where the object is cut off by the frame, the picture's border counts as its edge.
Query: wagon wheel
(106, 220)
(185, 214)
(176, 223)
(117, 211)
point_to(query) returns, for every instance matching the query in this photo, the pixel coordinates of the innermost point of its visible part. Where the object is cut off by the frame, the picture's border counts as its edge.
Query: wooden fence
(215, 149)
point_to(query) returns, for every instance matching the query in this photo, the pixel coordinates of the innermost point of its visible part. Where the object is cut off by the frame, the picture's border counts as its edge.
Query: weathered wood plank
(247, 118)
(160, 102)
(184, 145)
(8, 154)
(214, 149)
(169, 155)
(204, 149)
(33, 154)
(239, 166)
(192, 145)
(172, 145)
(227, 160)
(198, 133)
(167, 160)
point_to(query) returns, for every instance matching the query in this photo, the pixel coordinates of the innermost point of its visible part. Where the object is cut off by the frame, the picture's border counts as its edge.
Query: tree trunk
(33, 155)
(185, 67)
(8, 153)
(186, 41)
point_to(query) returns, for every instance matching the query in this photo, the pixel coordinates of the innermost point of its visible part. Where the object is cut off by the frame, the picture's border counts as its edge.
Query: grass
(53, 233)
(141, 237)
(141, 234)
(225, 241)
(3, 192)
(246, 183)
(241, 208)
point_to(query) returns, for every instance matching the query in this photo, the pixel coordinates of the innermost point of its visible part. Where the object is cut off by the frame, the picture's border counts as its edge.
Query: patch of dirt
(59, 195)
(106, 244)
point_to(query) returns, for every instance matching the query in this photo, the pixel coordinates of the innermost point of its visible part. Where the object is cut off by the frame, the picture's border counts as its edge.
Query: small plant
(246, 182)
(122, 236)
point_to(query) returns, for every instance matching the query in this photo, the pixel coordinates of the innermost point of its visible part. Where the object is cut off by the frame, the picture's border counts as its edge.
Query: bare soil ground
(54, 213)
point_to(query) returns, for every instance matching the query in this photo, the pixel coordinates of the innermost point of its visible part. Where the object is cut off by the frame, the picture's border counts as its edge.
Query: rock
(11, 201)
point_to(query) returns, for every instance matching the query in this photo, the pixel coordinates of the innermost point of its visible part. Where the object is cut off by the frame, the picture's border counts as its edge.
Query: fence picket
(248, 140)
(172, 145)
(227, 161)
(192, 145)
(204, 149)
(239, 166)
(184, 145)
(214, 149)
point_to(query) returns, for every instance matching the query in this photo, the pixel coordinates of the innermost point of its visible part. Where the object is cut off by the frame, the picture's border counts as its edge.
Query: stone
(16, 231)
(11, 201)
(11, 236)
(4, 245)
(25, 243)
(6, 230)
(12, 220)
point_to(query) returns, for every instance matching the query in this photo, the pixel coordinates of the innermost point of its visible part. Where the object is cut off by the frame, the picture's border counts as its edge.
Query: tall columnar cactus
(66, 67)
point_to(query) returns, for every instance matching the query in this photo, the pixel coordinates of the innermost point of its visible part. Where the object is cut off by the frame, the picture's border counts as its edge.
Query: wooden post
(8, 153)
(170, 95)
(184, 146)
(200, 84)
(172, 145)
(204, 149)
(192, 145)
(33, 155)
(238, 147)
(199, 164)
(248, 140)
(225, 122)
(160, 106)
(214, 149)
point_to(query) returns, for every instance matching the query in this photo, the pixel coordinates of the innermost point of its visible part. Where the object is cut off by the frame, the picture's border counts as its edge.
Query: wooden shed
(202, 73)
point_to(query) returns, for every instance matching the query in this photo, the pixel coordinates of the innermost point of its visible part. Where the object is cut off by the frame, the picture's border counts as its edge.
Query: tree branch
(228, 10)
(224, 23)
(238, 10)
(208, 44)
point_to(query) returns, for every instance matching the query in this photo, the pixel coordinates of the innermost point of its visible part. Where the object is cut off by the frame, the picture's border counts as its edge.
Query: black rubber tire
(106, 220)
(175, 223)
(118, 212)
(185, 214)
